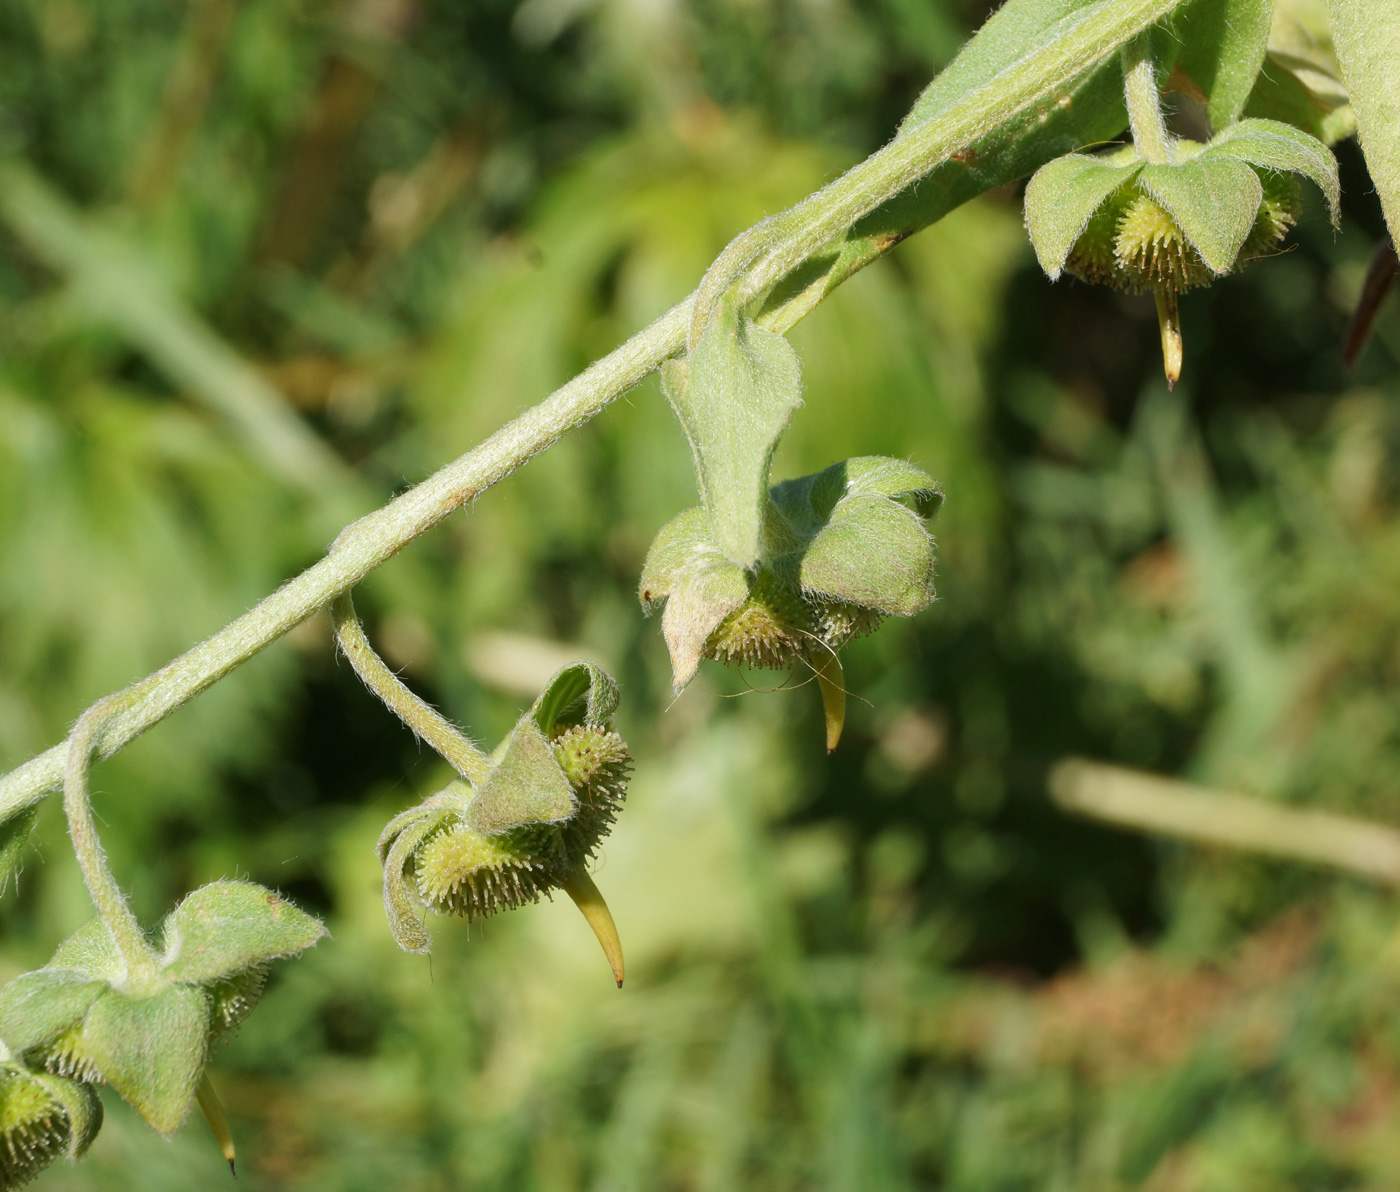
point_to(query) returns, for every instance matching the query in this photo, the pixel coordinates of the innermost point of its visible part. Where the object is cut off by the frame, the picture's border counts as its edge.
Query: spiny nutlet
(456, 869)
(773, 626)
(67, 1055)
(1132, 243)
(463, 872)
(36, 1121)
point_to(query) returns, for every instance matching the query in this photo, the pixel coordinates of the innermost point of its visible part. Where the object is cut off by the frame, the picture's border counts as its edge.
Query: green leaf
(151, 1049)
(1281, 94)
(1222, 48)
(1366, 36)
(699, 584)
(226, 927)
(734, 395)
(1061, 199)
(35, 1007)
(1083, 110)
(879, 475)
(1015, 31)
(1273, 145)
(14, 835)
(852, 539)
(525, 787)
(581, 692)
(82, 1106)
(874, 553)
(90, 950)
(1214, 199)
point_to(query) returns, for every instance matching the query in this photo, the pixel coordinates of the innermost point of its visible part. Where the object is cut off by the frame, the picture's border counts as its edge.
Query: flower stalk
(426, 722)
(106, 895)
(1144, 101)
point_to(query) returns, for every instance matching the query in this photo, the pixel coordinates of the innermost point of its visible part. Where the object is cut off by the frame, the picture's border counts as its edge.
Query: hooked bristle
(67, 1056)
(1152, 251)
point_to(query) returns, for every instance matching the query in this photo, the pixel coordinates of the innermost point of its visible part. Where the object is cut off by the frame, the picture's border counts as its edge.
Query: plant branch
(107, 897)
(426, 722)
(771, 250)
(361, 547)
(778, 246)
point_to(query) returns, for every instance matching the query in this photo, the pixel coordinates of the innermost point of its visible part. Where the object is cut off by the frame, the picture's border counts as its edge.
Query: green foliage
(734, 393)
(1367, 40)
(1223, 43)
(1211, 199)
(145, 1029)
(227, 927)
(898, 968)
(1301, 83)
(839, 552)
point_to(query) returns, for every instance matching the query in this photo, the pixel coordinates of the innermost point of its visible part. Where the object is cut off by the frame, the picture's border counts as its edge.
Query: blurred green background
(264, 263)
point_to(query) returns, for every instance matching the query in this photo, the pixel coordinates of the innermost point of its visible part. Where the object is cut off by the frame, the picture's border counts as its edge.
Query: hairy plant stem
(767, 252)
(106, 895)
(426, 722)
(1144, 101)
(758, 259)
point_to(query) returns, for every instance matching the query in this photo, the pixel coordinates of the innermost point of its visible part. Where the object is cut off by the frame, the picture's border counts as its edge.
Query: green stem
(107, 897)
(1144, 101)
(769, 251)
(426, 721)
(763, 256)
(360, 548)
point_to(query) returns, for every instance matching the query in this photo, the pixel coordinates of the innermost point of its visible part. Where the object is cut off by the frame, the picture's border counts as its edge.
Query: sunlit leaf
(1366, 34)
(1214, 200)
(1223, 44)
(734, 395)
(151, 1049)
(225, 927)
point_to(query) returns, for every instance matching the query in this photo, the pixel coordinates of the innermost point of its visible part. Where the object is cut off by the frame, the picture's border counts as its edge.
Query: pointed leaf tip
(700, 585)
(225, 927)
(1273, 145)
(589, 900)
(1062, 197)
(1213, 198)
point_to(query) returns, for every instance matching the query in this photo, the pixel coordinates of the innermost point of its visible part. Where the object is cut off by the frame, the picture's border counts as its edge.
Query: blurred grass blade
(119, 288)
(1149, 803)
